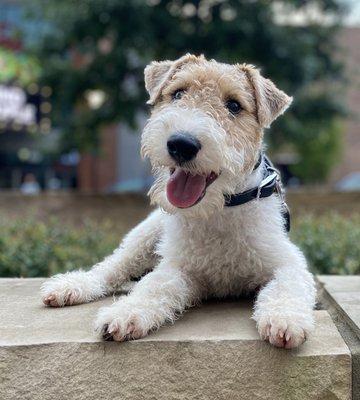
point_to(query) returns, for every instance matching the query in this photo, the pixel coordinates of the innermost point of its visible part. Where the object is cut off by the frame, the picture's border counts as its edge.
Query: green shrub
(29, 248)
(330, 242)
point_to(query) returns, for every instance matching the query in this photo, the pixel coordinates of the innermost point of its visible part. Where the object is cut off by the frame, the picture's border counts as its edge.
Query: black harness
(271, 183)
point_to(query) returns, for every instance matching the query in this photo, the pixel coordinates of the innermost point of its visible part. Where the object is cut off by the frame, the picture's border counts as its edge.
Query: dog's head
(205, 131)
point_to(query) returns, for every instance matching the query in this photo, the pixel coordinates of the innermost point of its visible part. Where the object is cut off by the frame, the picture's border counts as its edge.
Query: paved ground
(214, 351)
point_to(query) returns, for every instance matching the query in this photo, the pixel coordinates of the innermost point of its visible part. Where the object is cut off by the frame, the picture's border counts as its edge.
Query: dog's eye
(233, 106)
(177, 95)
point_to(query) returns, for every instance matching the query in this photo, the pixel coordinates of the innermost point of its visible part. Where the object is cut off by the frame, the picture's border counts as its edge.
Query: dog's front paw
(59, 299)
(71, 288)
(120, 323)
(284, 331)
(59, 292)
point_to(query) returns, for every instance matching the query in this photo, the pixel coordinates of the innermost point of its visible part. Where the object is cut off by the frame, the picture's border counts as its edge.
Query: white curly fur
(208, 249)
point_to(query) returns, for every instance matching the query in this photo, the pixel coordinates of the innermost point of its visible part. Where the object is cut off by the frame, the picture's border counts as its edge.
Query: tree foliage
(103, 45)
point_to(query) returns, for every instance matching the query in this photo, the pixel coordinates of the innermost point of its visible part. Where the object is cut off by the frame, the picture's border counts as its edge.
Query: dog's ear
(270, 101)
(157, 74)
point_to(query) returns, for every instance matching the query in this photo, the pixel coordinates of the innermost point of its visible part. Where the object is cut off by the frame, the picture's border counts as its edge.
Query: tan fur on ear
(157, 74)
(270, 101)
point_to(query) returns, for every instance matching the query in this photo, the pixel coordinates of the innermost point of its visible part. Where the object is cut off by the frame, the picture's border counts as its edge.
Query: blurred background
(72, 107)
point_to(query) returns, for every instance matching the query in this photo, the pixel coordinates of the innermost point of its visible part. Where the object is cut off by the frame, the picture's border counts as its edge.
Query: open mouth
(184, 189)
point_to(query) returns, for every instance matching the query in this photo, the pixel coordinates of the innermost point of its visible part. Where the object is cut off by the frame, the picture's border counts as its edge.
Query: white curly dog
(204, 139)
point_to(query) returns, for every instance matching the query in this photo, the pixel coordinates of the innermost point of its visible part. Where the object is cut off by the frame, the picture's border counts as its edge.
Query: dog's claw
(106, 335)
(51, 301)
(48, 299)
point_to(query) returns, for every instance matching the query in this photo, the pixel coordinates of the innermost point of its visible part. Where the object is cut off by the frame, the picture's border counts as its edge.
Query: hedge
(31, 248)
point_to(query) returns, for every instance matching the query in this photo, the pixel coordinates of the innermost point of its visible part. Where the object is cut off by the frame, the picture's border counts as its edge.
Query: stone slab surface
(345, 292)
(212, 352)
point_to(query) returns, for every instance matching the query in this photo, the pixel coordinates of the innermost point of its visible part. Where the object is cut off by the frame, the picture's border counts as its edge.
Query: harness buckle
(278, 184)
(266, 181)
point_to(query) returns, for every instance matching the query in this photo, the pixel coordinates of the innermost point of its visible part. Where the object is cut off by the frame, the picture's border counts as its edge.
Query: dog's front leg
(156, 299)
(134, 256)
(284, 307)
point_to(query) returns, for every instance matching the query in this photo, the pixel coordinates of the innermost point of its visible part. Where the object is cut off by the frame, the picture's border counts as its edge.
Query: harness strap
(270, 184)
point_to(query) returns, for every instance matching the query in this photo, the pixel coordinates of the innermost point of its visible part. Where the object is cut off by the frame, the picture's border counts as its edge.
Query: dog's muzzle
(183, 147)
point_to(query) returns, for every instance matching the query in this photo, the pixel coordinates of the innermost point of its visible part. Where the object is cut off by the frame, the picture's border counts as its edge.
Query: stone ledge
(344, 292)
(213, 352)
(341, 297)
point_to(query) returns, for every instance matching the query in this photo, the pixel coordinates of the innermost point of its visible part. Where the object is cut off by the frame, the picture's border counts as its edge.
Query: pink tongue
(183, 189)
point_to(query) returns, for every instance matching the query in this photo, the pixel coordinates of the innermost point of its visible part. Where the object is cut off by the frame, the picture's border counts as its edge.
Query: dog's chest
(217, 253)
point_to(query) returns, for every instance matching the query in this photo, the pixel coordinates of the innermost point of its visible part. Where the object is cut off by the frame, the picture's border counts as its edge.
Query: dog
(204, 140)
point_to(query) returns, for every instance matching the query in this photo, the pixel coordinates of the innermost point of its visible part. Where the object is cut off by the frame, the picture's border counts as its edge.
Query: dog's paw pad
(120, 333)
(286, 339)
(55, 299)
(281, 332)
(50, 300)
(119, 328)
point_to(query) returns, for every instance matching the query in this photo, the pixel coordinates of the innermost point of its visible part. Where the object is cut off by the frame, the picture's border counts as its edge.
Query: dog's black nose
(183, 147)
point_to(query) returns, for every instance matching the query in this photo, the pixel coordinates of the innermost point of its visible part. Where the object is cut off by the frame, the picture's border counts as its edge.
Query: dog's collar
(271, 183)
